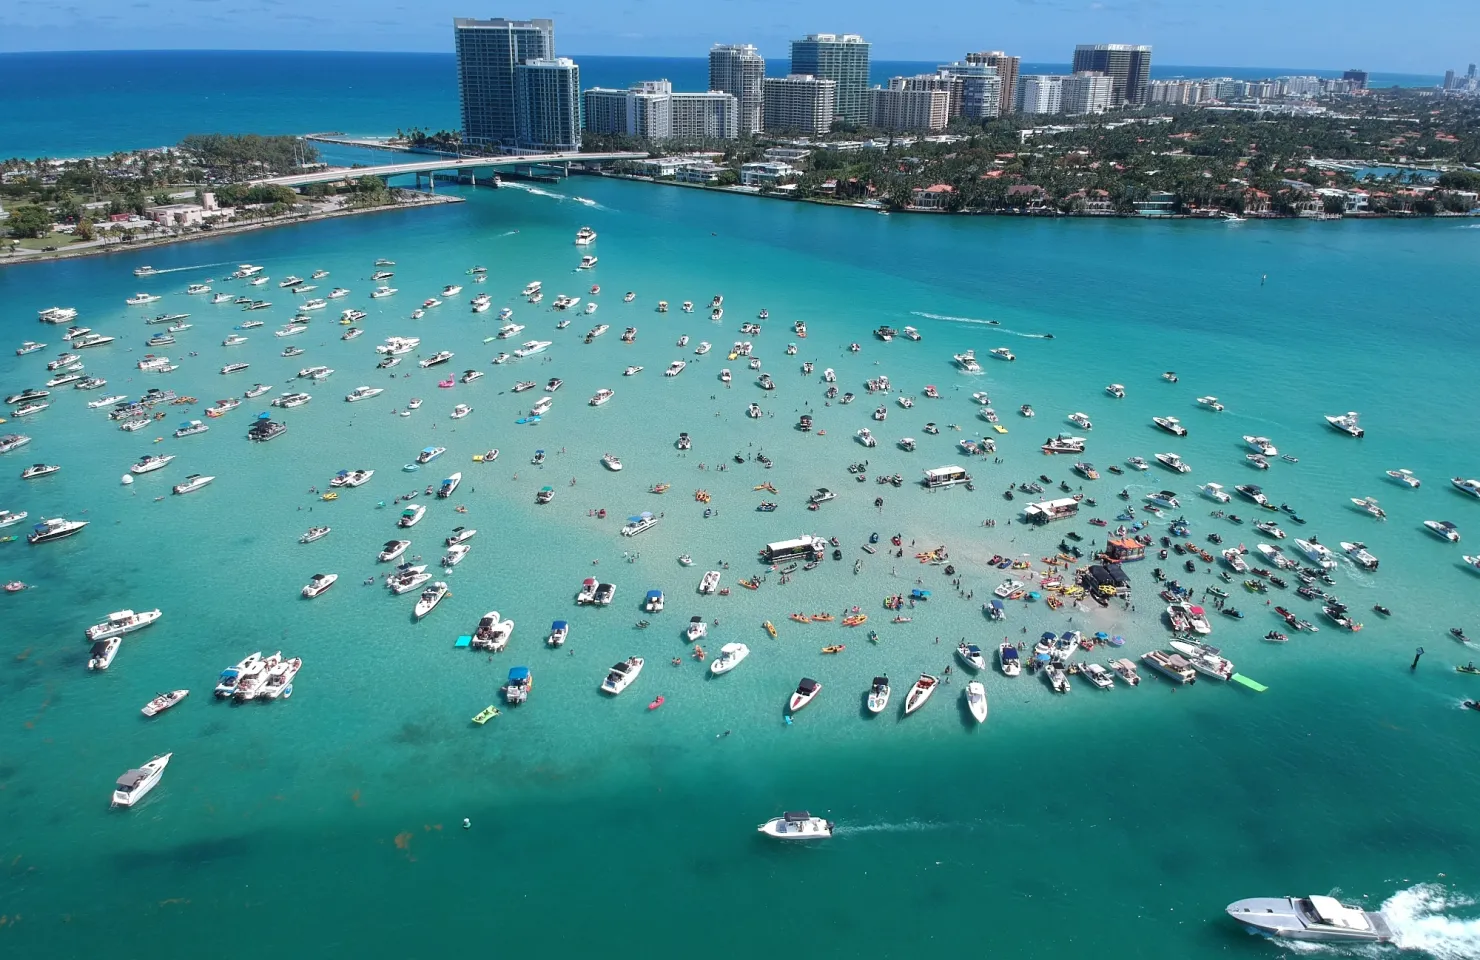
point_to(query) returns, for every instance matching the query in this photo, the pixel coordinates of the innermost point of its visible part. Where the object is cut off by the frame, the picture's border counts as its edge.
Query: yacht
(1170, 665)
(621, 675)
(9, 518)
(318, 583)
(26, 396)
(1254, 493)
(290, 400)
(39, 470)
(351, 478)
(429, 599)
(531, 347)
(30, 346)
(233, 340)
(1215, 492)
(338, 293)
(192, 483)
(257, 391)
(601, 396)
(1164, 498)
(411, 516)
(585, 236)
(449, 486)
(797, 825)
(460, 411)
(1472, 487)
(675, 368)
(121, 622)
(1347, 423)
(135, 784)
(1261, 446)
(971, 655)
(1369, 505)
(291, 330)
(1173, 462)
(1171, 425)
(1360, 555)
(90, 340)
(392, 550)
(234, 367)
(1002, 353)
(966, 360)
(1116, 390)
(363, 393)
(729, 658)
(163, 702)
(493, 633)
(1270, 529)
(57, 315)
(1316, 918)
(140, 299)
(920, 692)
(56, 528)
(1317, 552)
(807, 691)
(1443, 529)
(1210, 403)
(976, 700)
(1206, 660)
(1405, 477)
(510, 330)
(63, 360)
(317, 303)
(314, 533)
(149, 463)
(1102, 679)
(1235, 559)
(1274, 555)
(435, 359)
(597, 331)
(29, 409)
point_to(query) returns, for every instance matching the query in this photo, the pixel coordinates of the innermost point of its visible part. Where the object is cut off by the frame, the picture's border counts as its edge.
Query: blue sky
(1316, 33)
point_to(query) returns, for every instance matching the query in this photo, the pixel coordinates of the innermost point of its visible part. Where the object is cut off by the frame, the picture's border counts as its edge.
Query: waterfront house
(934, 198)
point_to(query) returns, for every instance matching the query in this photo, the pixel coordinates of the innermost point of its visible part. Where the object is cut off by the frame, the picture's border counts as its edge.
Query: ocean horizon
(86, 103)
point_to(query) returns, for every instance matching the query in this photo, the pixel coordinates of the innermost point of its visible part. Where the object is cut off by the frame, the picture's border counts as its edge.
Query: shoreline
(74, 253)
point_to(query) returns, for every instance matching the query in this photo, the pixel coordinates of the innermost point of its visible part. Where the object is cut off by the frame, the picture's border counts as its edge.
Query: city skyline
(1040, 31)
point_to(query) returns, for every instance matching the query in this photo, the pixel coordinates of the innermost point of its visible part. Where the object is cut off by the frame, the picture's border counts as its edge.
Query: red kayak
(658, 702)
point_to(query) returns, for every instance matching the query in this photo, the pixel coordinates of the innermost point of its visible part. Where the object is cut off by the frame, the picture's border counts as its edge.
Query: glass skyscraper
(547, 106)
(1128, 67)
(487, 53)
(842, 58)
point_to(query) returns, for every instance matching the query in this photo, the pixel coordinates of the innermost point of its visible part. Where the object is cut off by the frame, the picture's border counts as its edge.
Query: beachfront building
(739, 70)
(487, 53)
(1084, 93)
(547, 106)
(799, 103)
(843, 59)
(767, 173)
(1007, 69)
(976, 89)
(910, 104)
(1040, 94)
(1127, 65)
(652, 110)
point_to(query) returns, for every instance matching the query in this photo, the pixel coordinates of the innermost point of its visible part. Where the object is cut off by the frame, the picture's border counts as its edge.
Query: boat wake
(199, 266)
(908, 826)
(534, 190)
(1422, 921)
(979, 322)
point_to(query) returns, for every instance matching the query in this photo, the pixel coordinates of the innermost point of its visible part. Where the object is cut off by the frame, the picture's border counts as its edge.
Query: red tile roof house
(935, 197)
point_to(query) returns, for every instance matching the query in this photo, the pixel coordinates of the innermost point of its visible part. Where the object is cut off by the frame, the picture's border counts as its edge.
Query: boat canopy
(559, 625)
(654, 594)
(428, 449)
(807, 685)
(645, 515)
(1009, 653)
(517, 674)
(997, 605)
(919, 594)
(797, 816)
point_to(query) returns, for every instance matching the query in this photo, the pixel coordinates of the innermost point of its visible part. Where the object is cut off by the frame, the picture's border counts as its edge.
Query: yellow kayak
(769, 628)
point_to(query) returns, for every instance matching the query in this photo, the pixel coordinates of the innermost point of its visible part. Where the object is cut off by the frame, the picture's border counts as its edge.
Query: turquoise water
(1119, 823)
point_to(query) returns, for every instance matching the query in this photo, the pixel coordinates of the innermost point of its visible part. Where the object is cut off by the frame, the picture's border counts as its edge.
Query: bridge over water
(445, 164)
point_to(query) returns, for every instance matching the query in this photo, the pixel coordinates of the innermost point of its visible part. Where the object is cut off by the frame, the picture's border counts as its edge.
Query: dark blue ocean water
(86, 103)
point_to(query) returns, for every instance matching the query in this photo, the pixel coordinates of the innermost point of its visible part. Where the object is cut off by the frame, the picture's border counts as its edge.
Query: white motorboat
(234, 368)
(1008, 661)
(11, 517)
(318, 583)
(1274, 555)
(920, 693)
(971, 655)
(383, 291)
(100, 657)
(1171, 425)
(967, 361)
(1234, 557)
(1002, 353)
(1261, 445)
(314, 533)
(531, 347)
(122, 622)
(611, 462)
(140, 299)
(251, 682)
(1080, 420)
(410, 579)
(807, 691)
(1164, 498)
(1317, 552)
(696, 630)
(601, 396)
(1471, 487)
(56, 528)
(1316, 918)
(1443, 529)
(231, 677)
(621, 675)
(797, 825)
(233, 340)
(675, 368)
(163, 702)
(292, 399)
(1057, 677)
(429, 599)
(1206, 660)
(587, 593)
(411, 516)
(1270, 529)
(1215, 492)
(1173, 462)
(1101, 678)
(1348, 423)
(493, 633)
(1405, 477)
(440, 357)
(632, 371)
(363, 393)
(1126, 671)
(428, 454)
(460, 411)
(192, 483)
(460, 535)
(976, 700)
(1360, 555)
(709, 583)
(278, 683)
(509, 331)
(1210, 403)
(640, 523)
(729, 658)
(1170, 665)
(135, 784)
(878, 695)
